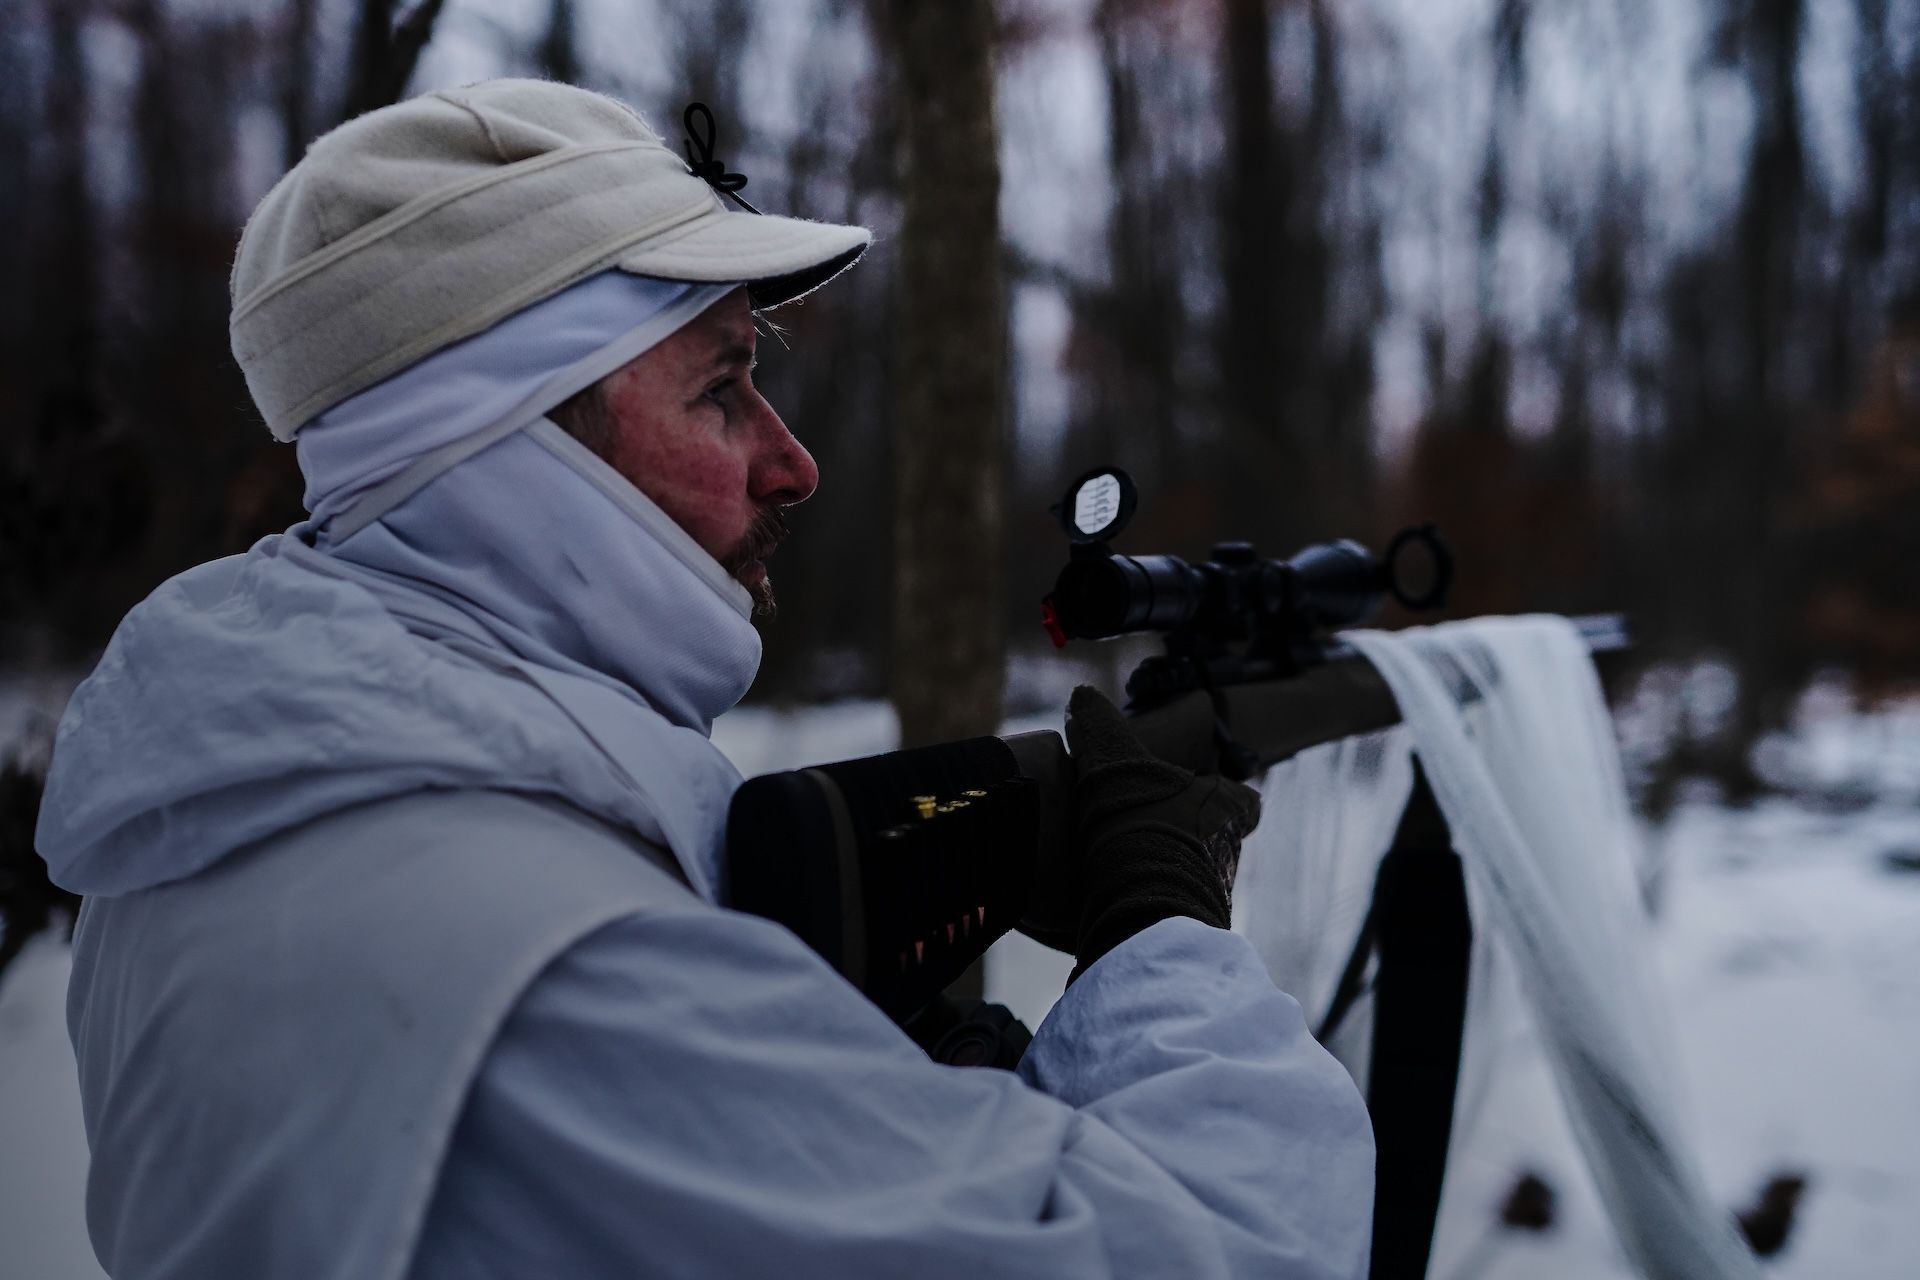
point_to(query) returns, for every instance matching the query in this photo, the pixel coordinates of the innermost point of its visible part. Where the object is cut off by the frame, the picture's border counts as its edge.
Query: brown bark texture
(949, 648)
(387, 47)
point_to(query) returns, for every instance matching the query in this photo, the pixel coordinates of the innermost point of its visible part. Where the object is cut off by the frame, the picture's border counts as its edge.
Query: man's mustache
(768, 530)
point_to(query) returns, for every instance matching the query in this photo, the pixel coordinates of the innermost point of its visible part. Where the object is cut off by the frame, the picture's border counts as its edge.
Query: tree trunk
(949, 646)
(559, 51)
(386, 49)
(296, 88)
(1257, 370)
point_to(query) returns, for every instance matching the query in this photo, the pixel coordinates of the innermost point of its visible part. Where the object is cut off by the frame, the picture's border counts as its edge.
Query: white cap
(420, 224)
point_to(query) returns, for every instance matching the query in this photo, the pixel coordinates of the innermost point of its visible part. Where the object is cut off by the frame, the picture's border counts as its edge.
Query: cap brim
(778, 259)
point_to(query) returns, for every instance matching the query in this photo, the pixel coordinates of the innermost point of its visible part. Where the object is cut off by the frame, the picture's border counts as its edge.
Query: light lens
(1096, 504)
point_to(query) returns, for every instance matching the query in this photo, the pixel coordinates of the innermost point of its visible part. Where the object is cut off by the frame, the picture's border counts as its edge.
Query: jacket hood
(479, 602)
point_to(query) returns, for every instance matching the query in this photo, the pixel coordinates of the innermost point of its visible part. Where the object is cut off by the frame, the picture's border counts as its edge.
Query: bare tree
(1263, 442)
(558, 54)
(30, 903)
(1130, 336)
(386, 49)
(296, 82)
(949, 645)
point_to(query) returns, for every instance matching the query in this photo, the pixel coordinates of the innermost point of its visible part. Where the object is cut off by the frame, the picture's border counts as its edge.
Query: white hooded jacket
(403, 953)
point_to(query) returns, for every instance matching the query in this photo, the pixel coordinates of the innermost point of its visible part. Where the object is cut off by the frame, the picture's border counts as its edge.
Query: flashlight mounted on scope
(1235, 617)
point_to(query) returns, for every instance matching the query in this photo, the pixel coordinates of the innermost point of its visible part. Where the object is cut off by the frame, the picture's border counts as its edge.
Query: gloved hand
(1156, 840)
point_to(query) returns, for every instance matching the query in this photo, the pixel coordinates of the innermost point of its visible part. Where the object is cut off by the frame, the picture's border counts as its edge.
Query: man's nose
(785, 472)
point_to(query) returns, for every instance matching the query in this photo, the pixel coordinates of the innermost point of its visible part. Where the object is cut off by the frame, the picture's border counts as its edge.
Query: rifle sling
(1424, 940)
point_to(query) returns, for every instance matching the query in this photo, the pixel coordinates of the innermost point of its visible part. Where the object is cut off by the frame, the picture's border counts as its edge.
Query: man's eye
(719, 389)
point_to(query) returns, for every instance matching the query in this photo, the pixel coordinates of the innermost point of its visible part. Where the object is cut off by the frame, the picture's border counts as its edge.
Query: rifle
(901, 869)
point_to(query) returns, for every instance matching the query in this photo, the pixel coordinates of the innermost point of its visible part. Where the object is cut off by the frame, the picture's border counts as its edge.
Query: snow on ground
(1791, 956)
(1790, 945)
(43, 1153)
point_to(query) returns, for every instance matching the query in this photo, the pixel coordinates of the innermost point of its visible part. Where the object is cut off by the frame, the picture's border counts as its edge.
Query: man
(401, 833)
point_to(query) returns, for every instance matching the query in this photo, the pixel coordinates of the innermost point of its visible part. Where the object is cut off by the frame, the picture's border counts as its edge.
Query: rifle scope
(1236, 596)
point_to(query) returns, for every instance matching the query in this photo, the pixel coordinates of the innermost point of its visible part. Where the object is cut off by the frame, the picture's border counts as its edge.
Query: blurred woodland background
(1626, 296)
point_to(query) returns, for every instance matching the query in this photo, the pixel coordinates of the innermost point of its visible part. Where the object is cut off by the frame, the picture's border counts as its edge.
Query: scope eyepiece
(1409, 586)
(1334, 584)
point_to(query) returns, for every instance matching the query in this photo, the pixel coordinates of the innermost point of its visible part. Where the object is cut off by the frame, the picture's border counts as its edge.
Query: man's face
(692, 433)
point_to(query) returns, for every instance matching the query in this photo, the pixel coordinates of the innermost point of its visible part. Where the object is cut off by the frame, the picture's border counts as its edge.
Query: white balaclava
(447, 478)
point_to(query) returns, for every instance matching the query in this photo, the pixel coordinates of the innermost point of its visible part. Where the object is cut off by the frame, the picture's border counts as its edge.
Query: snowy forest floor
(1789, 939)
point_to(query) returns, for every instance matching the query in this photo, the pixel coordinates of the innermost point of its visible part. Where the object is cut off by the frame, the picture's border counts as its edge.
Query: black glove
(1156, 840)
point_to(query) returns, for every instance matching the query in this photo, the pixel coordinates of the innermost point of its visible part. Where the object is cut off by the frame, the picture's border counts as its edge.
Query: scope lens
(1419, 567)
(1415, 574)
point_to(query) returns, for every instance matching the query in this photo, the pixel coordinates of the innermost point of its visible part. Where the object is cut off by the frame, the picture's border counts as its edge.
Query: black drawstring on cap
(713, 171)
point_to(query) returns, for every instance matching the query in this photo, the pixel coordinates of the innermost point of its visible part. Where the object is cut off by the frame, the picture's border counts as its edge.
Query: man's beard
(768, 531)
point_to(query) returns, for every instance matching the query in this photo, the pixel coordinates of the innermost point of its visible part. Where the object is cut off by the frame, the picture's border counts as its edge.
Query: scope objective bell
(1101, 596)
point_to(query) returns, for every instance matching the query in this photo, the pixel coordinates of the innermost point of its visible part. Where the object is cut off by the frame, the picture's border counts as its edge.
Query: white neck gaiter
(480, 519)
